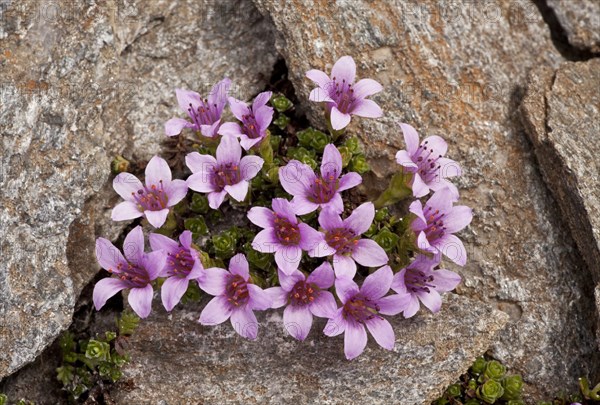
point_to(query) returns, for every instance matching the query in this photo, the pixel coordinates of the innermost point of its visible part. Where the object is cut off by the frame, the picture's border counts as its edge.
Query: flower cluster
(308, 231)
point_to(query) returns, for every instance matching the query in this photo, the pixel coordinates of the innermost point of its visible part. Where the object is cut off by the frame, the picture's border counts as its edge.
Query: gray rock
(82, 82)
(176, 360)
(581, 21)
(560, 111)
(457, 69)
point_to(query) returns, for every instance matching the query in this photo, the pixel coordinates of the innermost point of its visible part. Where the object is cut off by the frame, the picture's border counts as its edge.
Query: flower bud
(513, 385)
(282, 121)
(479, 366)
(199, 203)
(490, 391)
(281, 103)
(386, 239)
(97, 350)
(494, 370)
(119, 165)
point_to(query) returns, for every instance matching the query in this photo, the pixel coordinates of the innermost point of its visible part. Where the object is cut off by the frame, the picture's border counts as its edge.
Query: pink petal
(344, 266)
(201, 182)
(322, 276)
(172, 290)
(176, 192)
(296, 177)
(324, 306)
(303, 206)
(336, 325)
(355, 340)
(412, 307)
(344, 69)
(431, 300)
(211, 131)
(229, 150)
(419, 188)
(361, 218)
(377, 284)
(345, 288)
(248, 143)
(217, 311)
(417, 208)
(330, 220)
(261, 216)
(349, 180)
(239, 265)
(366, 87)
(244, 322)
(339, 120)
(321, 250)
(319, 77)
(394, 304)
(125, 211)
(288, 281)
(437, 143)
(238, 191)
(266, 241)
(238, 108)
(453, 248)
(398, 283)
(411, 138)
(320, 95)
(230, 129)
(133, 245)
(261, 100)
(108, 256)
(186, 97)
(250, 166)
(259, 299)
(214, 280)
(367, 109)
(126, 184)
(331, 165)
(157, 218)
(104, 289)
(263, 116)
(288, 258)
(174, 126)
(215, 199)
(382, 332)
(369, 254)
(458, 218)
(445, 280)
(449, 168)
(309, 237)
(278, 295)
(140, 300)
(218, 94)
(157, 170)
(404, 159)
(154, 263)
(441, 200)
(201, 164)
(297, 321)
(284, 208)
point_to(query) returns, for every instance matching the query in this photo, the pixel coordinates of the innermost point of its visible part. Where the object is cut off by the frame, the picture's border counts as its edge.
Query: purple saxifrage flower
(151, 200)
(421, 282)
(436, 223)
(364, 307)
(135, 271)
(235, 297)
(255, 120)
(182, 266)
(304, 297)
(205, 115)
(427, 162)
(311, 191)
(229, 173)
(283, 234)
(342, 240)
(343, 97)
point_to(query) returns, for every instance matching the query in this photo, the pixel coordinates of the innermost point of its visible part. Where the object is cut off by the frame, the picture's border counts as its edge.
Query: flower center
(226, 175)
(324, 188)
(236, 291)
(303, 293)
(417, 281)
(435, 223)
(153, 198)
(343, 240)
(133, 275)
(360, 309)
(287, 232)
(180, 264)
(343, 95)
(205, 114)
(427, 163)
(251, 128)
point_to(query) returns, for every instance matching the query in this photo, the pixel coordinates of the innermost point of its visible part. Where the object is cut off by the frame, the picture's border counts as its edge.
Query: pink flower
(283, 234)
(436, 223)
(235, 297)
(135, 271)
(362, 307)
(304, 297)
(152, 200)
(426, 160)
(205, 115)
(182, 266)
(343, 97)
(255, 120)
(311, 191)
(229, 173)
(342, 240)
(422, 283)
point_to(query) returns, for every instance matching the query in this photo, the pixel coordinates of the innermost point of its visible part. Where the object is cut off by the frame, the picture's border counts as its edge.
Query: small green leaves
(313, 139)
(479, 366)
(490, 391)
(119, 165)
(225, 243)
(359, 164)
(281, 103)
(127, 323)
(494, 370)
(197, 226)
(282, 121)
(199, 204)
(513, 385)
(3, 399)
(386, 239)
(97, 350)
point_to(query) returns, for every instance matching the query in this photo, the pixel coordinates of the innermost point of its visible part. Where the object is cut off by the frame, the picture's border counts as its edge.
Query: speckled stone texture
(178, 361)
(81, 82)
(581, 21)
(458, 69)
(561, 111)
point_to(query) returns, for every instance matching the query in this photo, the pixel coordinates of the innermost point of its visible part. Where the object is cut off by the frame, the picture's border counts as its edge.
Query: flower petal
(437, 144)
(229, 150)
(319, 77)
(344, 69)
(458, 218)
(278, 295)
(201, 182)
(154, 263)
(417, 208)
(331, 165)
(344, 266)
(411, 138)
(330, 220)
(349, 180)
(244, 322)
(377, 284)
(217, 311)
(230, 129)
(204, 164)
(104, 289)
(266, 241)
(361, 218)
(322, 276)
(453, 248)
(398, 283)
(174, 126)
(259, 299)
(284, 208)
(405, 160)
(441, 200)
(172, 290)
(296, 177)
(261, 100)
(322, 249)
(238, 108)
(345, 288)
(288, 258)
(320, 95)
(248, 143)
(238, 264)
(108, 256)
(126, 184)
(355, 340)
(133, 245)
(336, 325)
(367, 109)
(238, 191)
(303, 206)
(176, 192)
(297, 321)
(218, 94)
(369, 254)
(250, 166)
(394, 304)
(261, 216)
(445, 280)
(157, 170)
(157, 218)
(263, 117)
(309, 237)
(324, 306)
(187, 99)
(412, 307)
(140, 300)
(339, 120)
(366, 87)
(125, 211)
(288, 281)
(431, 300)
(419, 188)
(215, 199)
(214, 280)
(382, 332)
